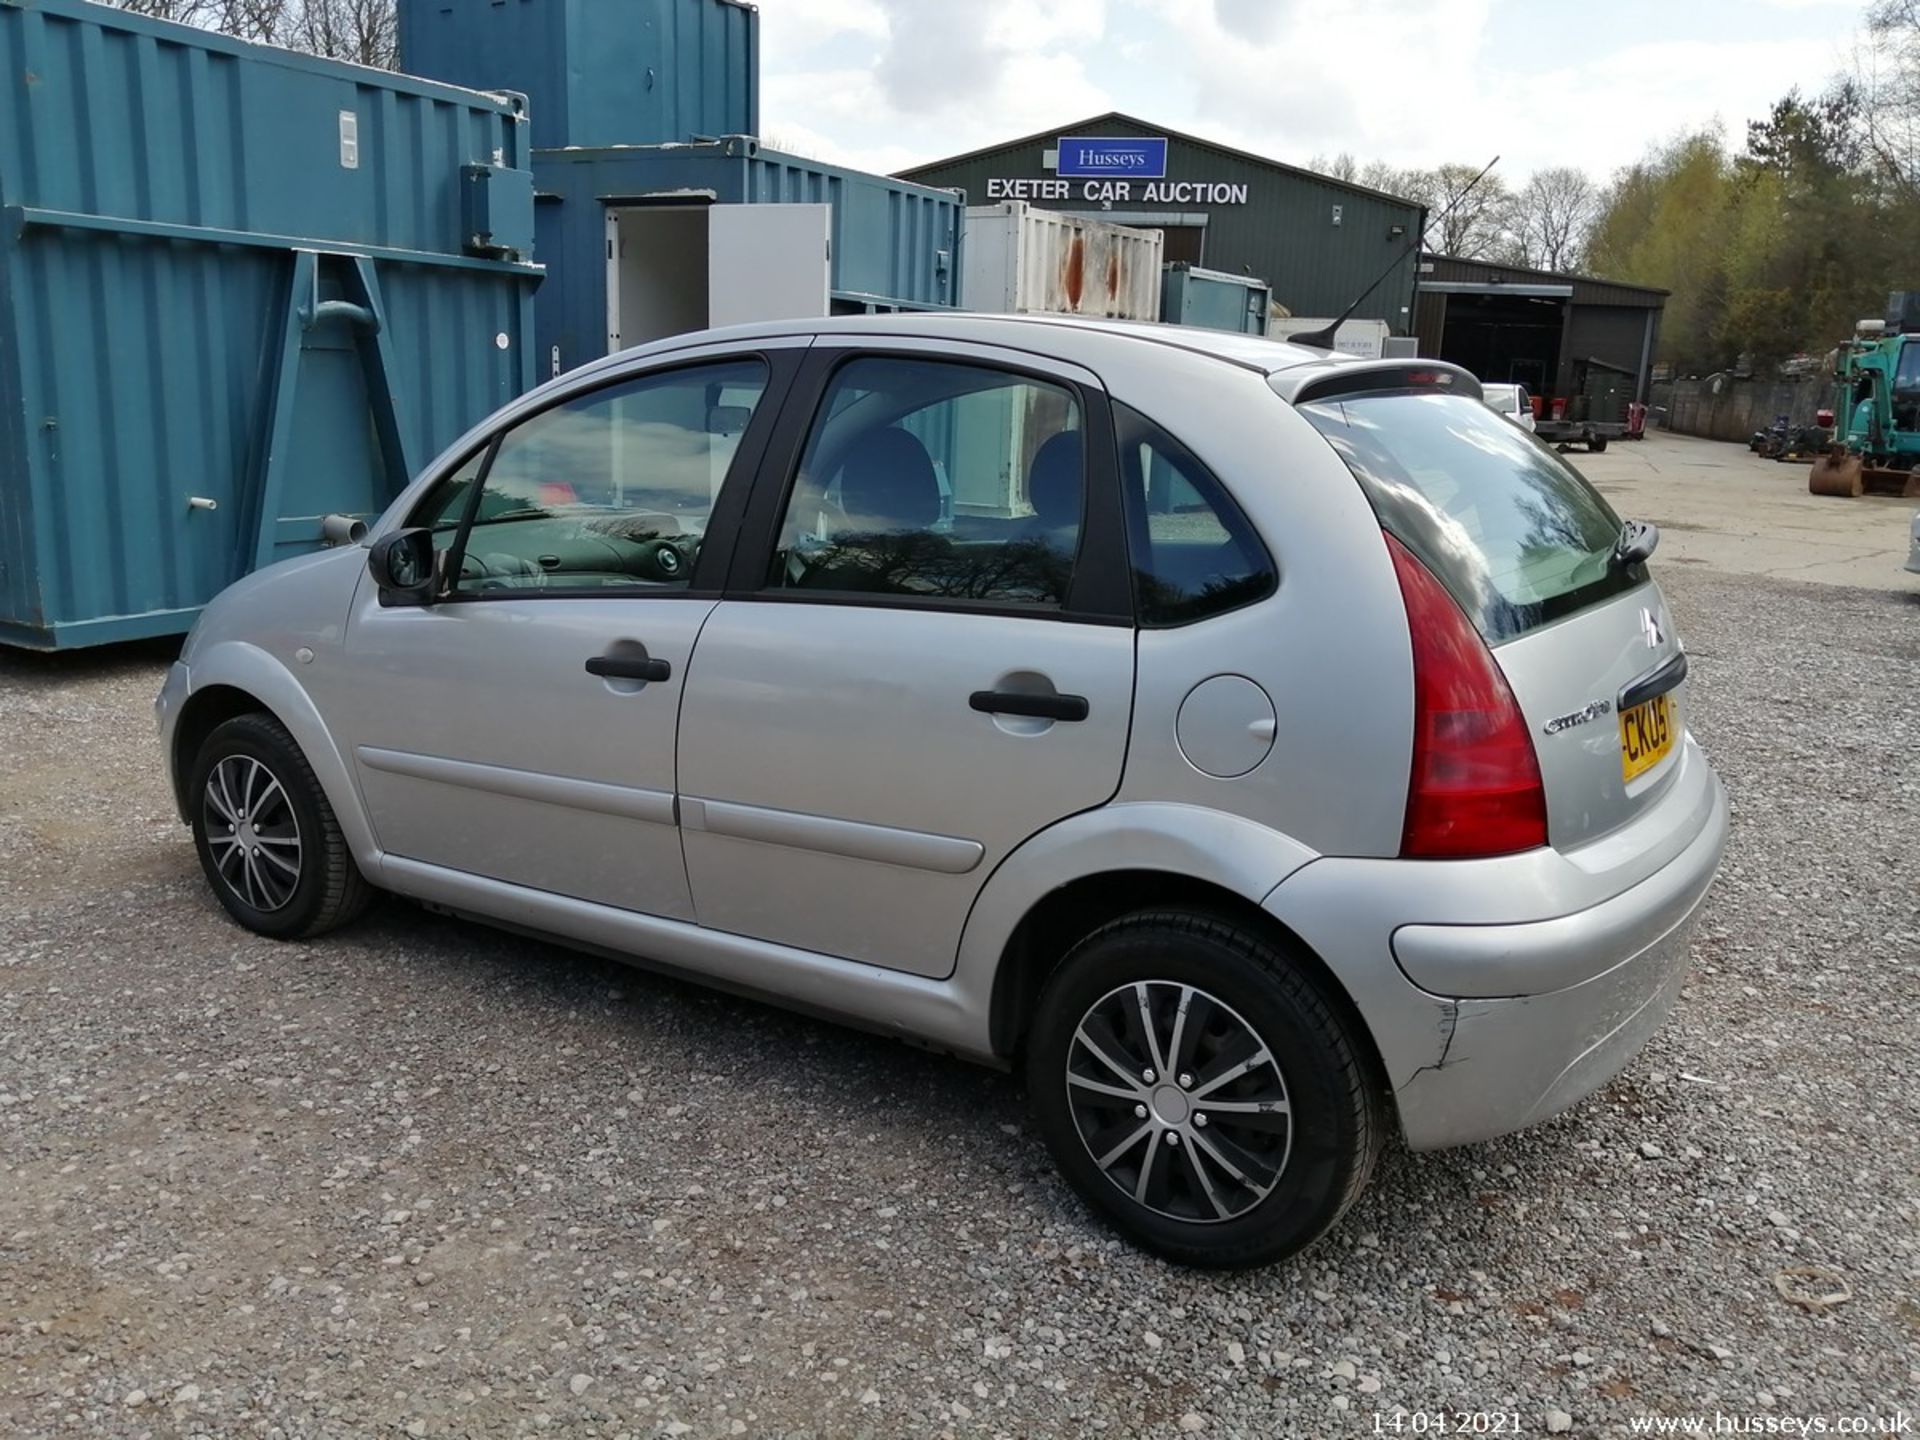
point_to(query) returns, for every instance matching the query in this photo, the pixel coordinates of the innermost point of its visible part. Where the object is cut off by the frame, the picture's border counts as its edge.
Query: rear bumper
(1510, 1062)
(1488, 1028)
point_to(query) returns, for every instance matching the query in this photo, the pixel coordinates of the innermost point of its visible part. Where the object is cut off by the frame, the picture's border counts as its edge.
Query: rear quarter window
(1518, 537)
(1194, 553)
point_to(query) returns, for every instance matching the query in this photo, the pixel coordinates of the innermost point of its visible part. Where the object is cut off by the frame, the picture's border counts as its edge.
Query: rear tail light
(1475, 788)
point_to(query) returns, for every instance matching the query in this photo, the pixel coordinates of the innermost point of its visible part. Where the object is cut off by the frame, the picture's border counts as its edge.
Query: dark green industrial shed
(1317, 241)
(1535, 327)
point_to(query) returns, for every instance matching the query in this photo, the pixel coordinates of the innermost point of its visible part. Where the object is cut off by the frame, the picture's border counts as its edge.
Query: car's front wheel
(1196, 1086)
(267, 837)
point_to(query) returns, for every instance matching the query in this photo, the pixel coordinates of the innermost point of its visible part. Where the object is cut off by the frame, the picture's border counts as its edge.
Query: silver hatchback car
(1259, 747)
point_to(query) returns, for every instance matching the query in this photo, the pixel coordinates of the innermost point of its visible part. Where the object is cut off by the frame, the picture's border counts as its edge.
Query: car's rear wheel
(1196, 1086)
(267, 837)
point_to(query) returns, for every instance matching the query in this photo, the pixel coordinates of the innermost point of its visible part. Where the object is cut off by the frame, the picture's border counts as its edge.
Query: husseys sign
(1105, 169)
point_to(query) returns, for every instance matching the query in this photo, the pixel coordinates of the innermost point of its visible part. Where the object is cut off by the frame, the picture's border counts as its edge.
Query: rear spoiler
(1376, 375)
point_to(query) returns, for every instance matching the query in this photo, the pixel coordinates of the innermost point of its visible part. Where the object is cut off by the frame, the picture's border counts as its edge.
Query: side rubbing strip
(651, 805)
(915, 849)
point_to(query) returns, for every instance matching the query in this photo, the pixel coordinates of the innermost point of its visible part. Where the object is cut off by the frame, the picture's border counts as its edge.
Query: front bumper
(1913, 545)
(167, 706)
(1485, 1028)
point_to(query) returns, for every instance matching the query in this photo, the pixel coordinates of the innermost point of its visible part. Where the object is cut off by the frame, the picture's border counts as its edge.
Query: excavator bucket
(1837, 472)
(1884, 480)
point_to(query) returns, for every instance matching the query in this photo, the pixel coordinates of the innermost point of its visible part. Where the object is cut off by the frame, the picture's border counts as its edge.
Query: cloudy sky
(881, 84)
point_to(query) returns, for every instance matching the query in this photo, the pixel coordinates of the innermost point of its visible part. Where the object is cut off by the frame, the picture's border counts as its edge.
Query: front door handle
(1039, 707)
(620, 667)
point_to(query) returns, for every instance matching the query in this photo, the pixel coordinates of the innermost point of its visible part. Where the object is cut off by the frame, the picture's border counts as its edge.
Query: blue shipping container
(598, 72)
(893, 245)
(240, 289)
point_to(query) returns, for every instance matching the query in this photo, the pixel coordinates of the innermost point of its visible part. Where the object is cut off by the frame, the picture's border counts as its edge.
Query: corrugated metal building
(1317, 241)
(1533, 327)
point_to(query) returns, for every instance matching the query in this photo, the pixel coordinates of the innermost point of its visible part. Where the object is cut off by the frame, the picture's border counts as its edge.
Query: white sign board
(1364, 338)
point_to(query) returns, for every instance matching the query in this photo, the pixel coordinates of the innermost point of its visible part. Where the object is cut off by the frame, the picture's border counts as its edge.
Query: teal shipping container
(241, 291)
(598, 72)
(1215, 300)
(647, 241)
(659, 211)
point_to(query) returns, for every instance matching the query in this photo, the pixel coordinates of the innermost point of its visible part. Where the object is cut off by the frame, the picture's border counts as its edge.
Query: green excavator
(1876, 438)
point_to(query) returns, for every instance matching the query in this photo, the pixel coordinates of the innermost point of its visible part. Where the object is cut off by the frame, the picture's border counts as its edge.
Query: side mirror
(402, 566)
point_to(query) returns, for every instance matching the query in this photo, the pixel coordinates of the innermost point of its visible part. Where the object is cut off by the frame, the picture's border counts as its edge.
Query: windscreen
(1514, 533)
(1906, 379)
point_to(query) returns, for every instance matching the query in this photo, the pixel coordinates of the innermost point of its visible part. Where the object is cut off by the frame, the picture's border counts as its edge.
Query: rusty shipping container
(1022, 261)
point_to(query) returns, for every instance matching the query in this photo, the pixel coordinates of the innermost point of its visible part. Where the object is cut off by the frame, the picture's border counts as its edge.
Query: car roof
(1066, 336)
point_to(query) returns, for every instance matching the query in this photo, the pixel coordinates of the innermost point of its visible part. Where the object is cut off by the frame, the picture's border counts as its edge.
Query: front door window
(609, 490)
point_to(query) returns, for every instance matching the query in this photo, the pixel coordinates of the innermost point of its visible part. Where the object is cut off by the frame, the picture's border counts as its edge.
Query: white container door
(768, 262)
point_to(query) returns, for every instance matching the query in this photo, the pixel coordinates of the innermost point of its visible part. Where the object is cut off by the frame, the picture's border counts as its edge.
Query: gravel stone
(834, 1197)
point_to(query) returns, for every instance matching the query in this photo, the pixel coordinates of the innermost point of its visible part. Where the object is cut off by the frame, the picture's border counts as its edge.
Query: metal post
(377, 360)
(1641, 387)
(271, 459)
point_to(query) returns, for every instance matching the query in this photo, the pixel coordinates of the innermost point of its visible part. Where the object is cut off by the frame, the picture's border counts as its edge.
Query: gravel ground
(421, 1178)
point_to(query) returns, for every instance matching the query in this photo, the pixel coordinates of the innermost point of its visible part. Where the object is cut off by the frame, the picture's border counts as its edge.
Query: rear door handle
(619, 667)
(1039, 707)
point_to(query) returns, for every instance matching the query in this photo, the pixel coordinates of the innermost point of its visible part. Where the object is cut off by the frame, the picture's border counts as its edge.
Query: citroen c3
(1259, 748)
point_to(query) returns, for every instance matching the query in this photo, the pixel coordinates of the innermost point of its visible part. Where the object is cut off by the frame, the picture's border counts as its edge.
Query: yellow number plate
(1646, 735)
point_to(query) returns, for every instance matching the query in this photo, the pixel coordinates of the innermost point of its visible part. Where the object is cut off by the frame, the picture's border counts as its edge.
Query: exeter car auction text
(1162, 192)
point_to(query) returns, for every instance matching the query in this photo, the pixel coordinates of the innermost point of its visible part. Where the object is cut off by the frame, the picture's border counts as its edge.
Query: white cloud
(879, 84)
(788, 27)
(943, 78)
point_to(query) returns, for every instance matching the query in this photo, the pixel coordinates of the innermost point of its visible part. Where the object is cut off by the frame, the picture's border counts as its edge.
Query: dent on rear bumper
(1581, 991)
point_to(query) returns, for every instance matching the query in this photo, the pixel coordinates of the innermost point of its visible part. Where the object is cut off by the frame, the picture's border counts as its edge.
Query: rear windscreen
(1513, 532)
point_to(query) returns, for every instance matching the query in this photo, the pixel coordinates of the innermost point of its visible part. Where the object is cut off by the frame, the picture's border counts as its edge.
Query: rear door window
(1516, 535)
(941, 482)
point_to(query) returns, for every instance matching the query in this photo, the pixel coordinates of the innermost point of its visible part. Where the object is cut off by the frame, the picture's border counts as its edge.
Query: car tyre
(1297, 1136)
(267, 836)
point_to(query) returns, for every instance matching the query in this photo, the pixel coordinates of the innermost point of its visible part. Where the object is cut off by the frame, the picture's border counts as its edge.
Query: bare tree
(789, 144)
(1482, 225)
(1416, 185)
(246, 19)
(1470, 221)
(1551, 216)
(358, 30)
(1887, 80)
(1337, 167)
